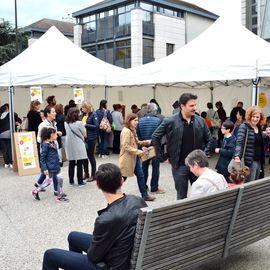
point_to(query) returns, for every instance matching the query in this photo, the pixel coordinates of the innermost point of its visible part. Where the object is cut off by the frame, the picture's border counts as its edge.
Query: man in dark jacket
(185, 132)
(112, 241)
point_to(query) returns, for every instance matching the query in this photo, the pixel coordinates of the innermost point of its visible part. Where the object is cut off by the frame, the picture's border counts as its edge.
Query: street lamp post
(16, 29)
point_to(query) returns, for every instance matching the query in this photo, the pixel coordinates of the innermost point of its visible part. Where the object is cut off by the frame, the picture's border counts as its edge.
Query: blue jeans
(155, 172)
(254, 171)
(104, 138)
(181, 176)
(140, 177)
(73, 259)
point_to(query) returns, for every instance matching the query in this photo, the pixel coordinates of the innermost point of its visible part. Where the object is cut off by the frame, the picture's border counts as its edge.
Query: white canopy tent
(225, 52)
(55, 60)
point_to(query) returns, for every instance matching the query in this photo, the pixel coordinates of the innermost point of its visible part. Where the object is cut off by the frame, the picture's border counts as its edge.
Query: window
(109, 52)
(147, 17)
(169, 48)
(101, 52)
(148, 50)
(123, 53)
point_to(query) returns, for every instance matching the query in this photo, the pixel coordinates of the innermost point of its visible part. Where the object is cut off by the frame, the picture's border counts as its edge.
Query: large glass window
(147, 17)
(148, 50)
(89, 30)
(123, 53)
(109, 52)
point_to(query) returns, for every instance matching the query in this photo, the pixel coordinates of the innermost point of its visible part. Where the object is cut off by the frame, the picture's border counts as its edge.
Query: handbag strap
(75, 133)
(245, 145)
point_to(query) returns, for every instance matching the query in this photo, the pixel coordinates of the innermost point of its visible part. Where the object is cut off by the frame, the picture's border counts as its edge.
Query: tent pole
(106, 92)
(154, 91)
(11, 117)
(211, 92)
(255, 91)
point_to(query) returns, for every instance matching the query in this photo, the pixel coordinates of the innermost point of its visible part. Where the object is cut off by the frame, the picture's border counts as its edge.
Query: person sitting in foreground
(238, 176)
(114, 230)
(208, 180)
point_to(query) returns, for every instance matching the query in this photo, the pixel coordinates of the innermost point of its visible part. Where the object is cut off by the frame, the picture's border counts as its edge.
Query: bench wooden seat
(192, 232)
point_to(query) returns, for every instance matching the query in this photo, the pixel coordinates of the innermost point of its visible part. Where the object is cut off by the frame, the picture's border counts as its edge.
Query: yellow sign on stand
(26, 153)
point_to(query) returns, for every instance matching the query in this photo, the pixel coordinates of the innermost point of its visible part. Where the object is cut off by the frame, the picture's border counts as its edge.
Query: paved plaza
(29, 227)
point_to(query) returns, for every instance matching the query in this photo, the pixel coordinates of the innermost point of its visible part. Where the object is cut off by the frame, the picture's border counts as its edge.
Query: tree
(7, 42)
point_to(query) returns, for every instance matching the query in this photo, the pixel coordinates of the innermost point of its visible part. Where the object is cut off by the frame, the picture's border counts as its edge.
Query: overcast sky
(30, 11)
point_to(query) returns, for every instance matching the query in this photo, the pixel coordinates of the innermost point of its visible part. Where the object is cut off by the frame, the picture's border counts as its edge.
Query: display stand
(26, 155)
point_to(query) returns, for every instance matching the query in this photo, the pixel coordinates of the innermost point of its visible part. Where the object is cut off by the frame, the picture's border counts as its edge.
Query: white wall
(128, 96)
(77, 35)
(136, 38)
(243, 12)
(195, 25)
(168, 30)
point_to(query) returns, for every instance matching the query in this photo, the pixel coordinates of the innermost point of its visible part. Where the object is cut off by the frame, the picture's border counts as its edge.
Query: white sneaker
(10, 166)
(6, 165)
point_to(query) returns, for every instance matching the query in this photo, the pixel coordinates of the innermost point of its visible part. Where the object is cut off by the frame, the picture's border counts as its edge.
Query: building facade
(256, 17)
(132, 33)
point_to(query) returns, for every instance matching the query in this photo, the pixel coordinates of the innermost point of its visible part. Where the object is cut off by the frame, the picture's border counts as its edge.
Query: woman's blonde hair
(34, 104)
(254, 109)
(88, 106)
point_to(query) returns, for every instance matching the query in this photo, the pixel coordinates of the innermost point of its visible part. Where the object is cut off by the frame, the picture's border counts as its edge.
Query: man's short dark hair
(184, 98)
(109, 177)
(228, 124)
(203, 114)
(47, 110)
(197, 157)
(210, 105)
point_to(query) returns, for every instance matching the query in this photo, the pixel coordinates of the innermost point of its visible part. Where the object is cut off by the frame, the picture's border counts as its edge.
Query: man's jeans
(254, 173)
(73, 259)
(140, 177)
(181, 175)
(155, 172)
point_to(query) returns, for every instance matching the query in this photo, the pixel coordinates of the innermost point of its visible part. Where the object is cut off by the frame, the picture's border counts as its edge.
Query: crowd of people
(141, 138)
(84, 133)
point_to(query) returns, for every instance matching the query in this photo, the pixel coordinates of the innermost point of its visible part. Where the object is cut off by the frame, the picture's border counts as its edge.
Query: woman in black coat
(254, 150)
(34, 119)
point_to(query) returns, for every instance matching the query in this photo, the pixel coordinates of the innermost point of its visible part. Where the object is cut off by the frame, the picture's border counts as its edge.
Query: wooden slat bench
(192, 232)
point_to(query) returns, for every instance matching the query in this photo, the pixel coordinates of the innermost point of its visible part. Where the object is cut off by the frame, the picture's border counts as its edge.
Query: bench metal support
(144, 238)
(234, 216)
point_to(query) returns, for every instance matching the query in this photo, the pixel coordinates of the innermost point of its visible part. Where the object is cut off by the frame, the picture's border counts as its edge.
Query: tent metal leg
(11, 116)
(255, 91)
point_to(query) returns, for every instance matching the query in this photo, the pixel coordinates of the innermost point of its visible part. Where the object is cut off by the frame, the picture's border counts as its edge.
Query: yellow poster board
(26, 154)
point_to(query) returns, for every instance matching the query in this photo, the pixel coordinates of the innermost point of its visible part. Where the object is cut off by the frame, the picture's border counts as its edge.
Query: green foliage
(7, 42)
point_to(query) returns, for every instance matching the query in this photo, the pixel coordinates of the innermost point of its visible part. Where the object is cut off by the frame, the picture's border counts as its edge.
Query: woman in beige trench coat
(129, 160)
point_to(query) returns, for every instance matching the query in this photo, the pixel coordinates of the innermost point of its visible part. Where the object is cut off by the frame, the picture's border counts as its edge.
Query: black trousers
(116, 141)
(71, 169)
(7, 152)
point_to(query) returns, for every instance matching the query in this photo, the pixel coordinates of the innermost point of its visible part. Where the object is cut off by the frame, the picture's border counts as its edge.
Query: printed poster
(36, 93)
(78, 95)
(26, 150)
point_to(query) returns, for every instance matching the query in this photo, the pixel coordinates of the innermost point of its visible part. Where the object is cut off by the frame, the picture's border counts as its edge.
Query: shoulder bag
(105, 123)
